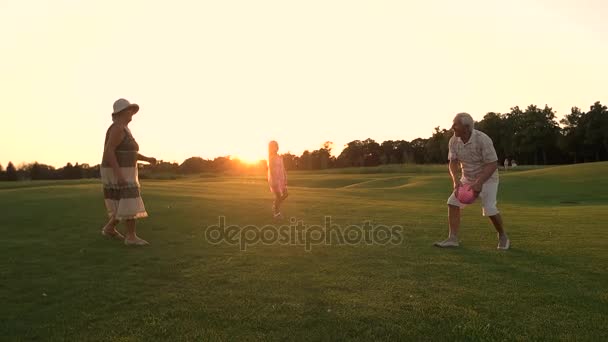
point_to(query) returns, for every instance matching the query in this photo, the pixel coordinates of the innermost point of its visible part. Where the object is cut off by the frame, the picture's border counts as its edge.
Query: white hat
(122, 105)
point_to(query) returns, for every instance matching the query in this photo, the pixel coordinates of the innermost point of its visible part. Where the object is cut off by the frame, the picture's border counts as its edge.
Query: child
(277, 178)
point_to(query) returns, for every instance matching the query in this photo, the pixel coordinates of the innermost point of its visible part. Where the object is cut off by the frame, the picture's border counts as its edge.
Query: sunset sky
(220, 78)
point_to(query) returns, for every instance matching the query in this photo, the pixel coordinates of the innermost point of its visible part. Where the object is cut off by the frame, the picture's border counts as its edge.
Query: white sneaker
(504, 244)
(449, 242)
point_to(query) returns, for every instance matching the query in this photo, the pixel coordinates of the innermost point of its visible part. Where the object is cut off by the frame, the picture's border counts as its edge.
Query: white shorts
(487, 198)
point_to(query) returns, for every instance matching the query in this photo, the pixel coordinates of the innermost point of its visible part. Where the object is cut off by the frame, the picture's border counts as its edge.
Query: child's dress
(277, 179)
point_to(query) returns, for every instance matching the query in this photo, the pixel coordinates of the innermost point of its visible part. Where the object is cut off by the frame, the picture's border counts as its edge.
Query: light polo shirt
(473, 155)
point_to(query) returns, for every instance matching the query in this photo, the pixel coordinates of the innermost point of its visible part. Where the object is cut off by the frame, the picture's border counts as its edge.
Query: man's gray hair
(466, 120)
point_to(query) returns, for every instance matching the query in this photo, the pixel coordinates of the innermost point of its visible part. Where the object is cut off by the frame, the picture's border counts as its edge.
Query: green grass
(62, 281)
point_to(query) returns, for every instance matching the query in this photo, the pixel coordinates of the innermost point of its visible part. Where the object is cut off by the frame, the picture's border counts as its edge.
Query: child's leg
(276, 204)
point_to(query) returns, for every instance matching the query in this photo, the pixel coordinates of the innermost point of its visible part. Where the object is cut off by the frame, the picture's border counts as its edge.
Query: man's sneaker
(504, 243)
(449, 242)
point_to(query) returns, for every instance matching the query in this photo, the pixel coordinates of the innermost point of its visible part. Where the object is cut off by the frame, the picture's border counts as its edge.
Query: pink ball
(465, 194)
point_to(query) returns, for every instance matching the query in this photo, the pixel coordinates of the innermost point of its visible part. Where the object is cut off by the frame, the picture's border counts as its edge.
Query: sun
(248, 158)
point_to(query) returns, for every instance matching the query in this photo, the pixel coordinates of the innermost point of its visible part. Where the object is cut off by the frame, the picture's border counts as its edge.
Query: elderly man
(475, 153)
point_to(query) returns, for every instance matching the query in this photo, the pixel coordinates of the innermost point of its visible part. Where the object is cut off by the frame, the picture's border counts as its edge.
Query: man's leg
(503, 239)
(488, 201)
(497, 222)
(453, 221)
(453, 224)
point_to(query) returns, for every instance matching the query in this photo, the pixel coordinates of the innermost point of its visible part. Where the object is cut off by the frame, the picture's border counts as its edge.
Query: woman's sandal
(136, 242)
(115, 235)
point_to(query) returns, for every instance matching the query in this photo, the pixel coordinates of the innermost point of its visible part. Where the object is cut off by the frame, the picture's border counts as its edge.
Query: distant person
(506, 163)
(513, 164)
(277, 178)
(474, 152)
(121, 188)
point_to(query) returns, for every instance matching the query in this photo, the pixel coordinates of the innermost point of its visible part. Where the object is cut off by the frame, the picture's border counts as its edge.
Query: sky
(218, 78)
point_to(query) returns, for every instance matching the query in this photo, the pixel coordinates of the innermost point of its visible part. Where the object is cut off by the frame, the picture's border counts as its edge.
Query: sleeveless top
(126, 152)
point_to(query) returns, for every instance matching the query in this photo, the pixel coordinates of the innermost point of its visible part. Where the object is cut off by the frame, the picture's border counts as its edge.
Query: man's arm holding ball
(486, 173)
(490, 164)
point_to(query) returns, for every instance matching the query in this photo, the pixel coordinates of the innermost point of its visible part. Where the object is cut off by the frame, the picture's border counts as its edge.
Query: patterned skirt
(123, 202)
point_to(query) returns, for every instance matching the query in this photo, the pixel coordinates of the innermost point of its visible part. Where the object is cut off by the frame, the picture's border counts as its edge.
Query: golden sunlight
(250, 158)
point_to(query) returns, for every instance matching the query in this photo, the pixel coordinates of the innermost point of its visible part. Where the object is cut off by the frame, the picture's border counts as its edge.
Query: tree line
(530, 136)
(38, 171)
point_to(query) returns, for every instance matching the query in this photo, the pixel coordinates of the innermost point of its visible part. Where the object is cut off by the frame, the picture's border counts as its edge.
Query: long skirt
(123, 202)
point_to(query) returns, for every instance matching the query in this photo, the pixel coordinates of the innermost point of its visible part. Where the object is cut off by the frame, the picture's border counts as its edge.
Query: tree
(573, 135)
(36, 172)
(11, 172)
(195, 165)
(371, 152)
(70, 171)
(549, 136)
(305, 162)
(222, 164)
(352, 154)
(78, 171)
(596, 131)
(404, 151)
(89, 171)
(437, 146)
(535, 134)
(290, 161)
(396, 152)
(495, 125)
(321, 159)
(161, 166)
(67, 171)
(327, 160)
(388, 155)
(512, 123)
(419, 150)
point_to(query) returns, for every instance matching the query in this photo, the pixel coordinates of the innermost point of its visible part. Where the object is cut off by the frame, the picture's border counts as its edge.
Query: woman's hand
(150, 160)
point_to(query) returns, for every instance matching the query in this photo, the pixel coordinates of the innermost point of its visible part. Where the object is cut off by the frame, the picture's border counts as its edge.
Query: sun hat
(121, 105)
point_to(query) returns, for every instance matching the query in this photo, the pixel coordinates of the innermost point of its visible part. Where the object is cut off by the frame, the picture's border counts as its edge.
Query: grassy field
(60, 280)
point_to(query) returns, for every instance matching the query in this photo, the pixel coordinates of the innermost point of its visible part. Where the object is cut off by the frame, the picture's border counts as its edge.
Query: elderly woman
(119, 175)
